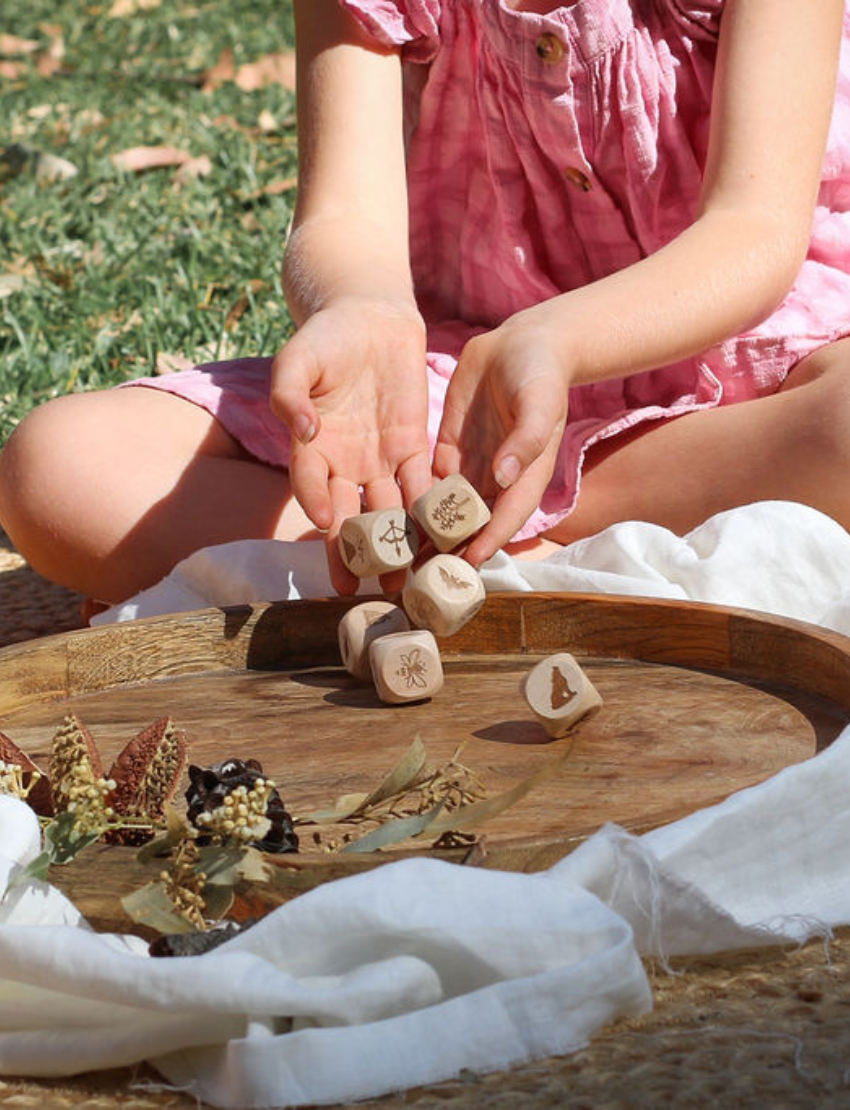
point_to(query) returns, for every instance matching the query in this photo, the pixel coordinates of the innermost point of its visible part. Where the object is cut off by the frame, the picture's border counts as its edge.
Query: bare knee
(39, 478)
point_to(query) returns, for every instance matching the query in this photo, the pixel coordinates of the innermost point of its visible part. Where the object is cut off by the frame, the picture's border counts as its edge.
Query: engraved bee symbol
(562, 693)
(413, 669)
(452, 581)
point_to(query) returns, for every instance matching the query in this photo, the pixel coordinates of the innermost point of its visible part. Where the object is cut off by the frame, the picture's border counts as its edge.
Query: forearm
(350, 231)
(724, 274)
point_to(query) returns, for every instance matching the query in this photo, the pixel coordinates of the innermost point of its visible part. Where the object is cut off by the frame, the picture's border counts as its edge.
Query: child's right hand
(351, 386)
(504, 417)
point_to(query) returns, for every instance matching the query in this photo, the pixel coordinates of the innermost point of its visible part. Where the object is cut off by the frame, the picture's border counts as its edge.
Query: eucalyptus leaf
(175, 830)
(63, 840)
(220, 863)
(151, 906)
(393, 832)
(217, 901)
(475, 814)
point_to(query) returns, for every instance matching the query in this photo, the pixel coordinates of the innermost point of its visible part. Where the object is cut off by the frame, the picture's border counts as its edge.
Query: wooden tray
(699, 700)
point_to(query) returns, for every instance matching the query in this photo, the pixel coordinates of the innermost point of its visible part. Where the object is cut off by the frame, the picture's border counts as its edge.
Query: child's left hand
(504, 416)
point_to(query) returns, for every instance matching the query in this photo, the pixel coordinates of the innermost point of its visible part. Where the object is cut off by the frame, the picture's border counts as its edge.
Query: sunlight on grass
(103, 272)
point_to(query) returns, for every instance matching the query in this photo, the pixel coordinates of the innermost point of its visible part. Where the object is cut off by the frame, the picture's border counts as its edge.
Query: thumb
(539, 414)
(295, 374)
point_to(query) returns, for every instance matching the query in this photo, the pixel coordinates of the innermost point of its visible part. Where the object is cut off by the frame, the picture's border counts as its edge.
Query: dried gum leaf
(394, 832)
(468, 817)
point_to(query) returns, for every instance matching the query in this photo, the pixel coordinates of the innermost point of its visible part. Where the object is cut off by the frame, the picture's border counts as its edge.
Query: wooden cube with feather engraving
(443, 594)
(559, 693)
(377, 542)
(360, 626)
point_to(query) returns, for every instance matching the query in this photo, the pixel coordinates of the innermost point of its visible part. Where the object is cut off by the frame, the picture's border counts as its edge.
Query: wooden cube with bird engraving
(360, 626)
(443, 594)
(378, 542)
(559, 693)
(450, 512)
(406, 666)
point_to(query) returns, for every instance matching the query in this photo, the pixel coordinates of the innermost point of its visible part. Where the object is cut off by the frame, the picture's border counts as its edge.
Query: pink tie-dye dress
(545, 152)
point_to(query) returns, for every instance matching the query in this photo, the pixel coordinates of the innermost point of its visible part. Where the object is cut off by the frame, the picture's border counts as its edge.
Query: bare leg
(105, 492)
(793, 445)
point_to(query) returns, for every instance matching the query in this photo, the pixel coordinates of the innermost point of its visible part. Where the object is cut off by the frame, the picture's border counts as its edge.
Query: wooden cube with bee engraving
(443, 594)
(406, 666)
(360, 626)
(559, 693)
(450, 512)
(378, 542)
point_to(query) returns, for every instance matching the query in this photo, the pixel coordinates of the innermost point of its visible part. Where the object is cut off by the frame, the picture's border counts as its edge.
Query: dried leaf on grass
(193, 169)
(273, 69)
(167, 363)
(12, 45)
(138, 159)
(122, 8)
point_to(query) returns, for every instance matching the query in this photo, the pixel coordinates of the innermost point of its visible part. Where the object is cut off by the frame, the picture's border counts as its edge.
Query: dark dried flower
(234, 800)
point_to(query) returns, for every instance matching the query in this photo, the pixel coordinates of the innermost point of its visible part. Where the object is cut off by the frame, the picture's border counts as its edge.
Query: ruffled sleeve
(411, 24)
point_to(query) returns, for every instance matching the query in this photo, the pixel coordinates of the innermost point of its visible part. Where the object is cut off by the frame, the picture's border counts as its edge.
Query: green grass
(117, 267)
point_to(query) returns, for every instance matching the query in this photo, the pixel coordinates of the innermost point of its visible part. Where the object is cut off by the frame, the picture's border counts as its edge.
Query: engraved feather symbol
(452, 581)
(562, 693)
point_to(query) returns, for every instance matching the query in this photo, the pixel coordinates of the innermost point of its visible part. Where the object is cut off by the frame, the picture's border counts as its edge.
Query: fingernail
(508, 472)
(303, 428)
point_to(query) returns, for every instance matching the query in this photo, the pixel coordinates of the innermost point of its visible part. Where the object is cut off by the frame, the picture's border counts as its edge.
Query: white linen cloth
(405, 975)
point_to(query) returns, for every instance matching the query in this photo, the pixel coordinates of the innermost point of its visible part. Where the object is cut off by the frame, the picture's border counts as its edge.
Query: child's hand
(504, 416)
(351, 386)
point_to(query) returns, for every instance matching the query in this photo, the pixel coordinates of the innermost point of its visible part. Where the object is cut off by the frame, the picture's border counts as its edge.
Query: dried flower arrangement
(234, 815)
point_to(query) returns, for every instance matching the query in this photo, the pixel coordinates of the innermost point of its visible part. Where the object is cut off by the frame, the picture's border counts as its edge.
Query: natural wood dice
(443, 594)
(360, 626)
(376, 542)
(450, 512)
(559, 693)
(406, 666)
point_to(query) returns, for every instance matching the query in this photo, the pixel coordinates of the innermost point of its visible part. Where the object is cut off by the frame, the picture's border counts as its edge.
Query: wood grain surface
(699, 701)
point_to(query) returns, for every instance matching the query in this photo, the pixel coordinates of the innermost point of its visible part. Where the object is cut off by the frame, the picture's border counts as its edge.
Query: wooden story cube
(406, 666)
(443, 594)
(377, 542)
(360, 626)
(559, 693)
(450, 512)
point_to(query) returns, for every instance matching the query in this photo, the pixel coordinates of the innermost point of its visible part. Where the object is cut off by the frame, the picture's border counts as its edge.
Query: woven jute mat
(749, 1030)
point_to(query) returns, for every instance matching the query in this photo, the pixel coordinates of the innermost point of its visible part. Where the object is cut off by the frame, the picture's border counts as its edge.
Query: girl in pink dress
(595, 256)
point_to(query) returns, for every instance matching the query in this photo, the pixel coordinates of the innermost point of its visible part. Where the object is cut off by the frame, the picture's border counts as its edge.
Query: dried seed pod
(73, 758)
(39, 795)
(147, 773)
(217, 793)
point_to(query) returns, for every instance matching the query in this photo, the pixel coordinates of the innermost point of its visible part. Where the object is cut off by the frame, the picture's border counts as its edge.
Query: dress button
(549, 48)
(579, 178)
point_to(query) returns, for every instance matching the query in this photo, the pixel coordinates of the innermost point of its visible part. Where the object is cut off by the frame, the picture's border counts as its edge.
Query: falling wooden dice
(360, 626)
(450, 512)
(406, 666)
(443, 594)
(377, 542)
(559, 693)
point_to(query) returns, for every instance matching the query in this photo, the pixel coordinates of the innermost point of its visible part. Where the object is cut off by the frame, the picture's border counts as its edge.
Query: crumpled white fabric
(775, 556)
(405, 975)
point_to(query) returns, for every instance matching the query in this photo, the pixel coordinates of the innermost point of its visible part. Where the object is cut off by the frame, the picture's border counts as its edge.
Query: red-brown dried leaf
(40, 798)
